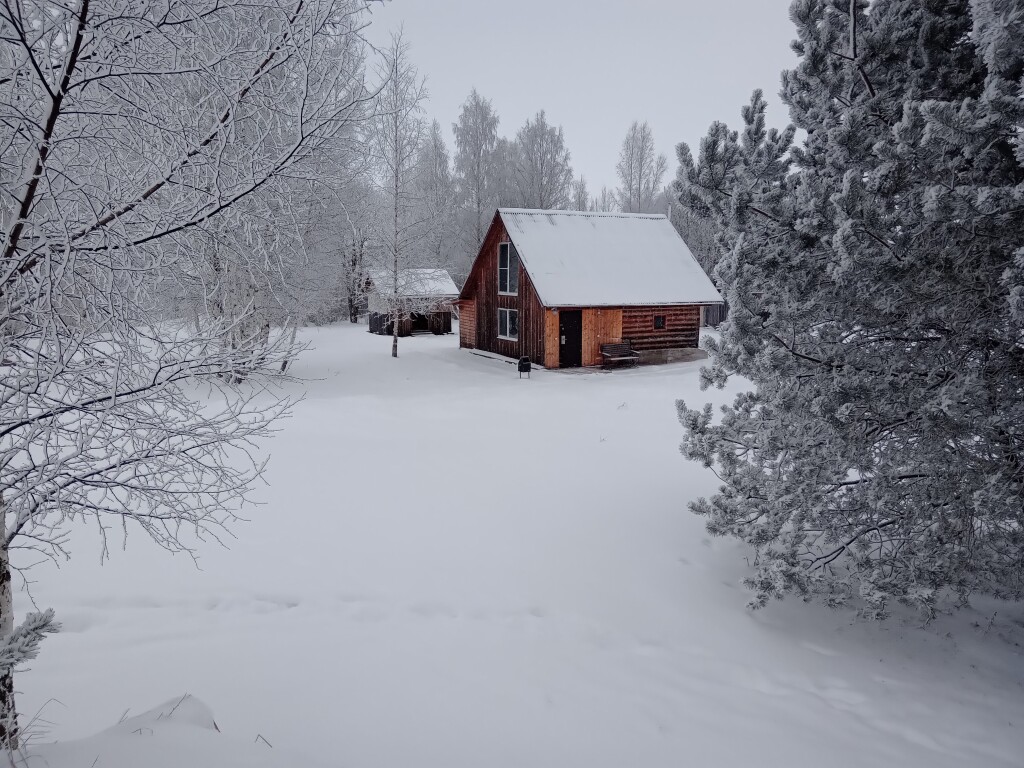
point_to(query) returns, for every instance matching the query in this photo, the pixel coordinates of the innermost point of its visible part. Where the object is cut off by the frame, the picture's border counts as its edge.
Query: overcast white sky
(597, 65)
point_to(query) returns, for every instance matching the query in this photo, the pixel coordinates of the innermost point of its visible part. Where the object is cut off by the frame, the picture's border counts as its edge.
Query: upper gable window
(508, 269)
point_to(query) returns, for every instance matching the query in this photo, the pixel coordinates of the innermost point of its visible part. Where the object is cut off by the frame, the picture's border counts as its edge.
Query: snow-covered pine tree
(876, 281)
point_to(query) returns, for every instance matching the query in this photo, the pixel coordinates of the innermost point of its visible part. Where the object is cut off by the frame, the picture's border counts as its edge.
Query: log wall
(681, 331)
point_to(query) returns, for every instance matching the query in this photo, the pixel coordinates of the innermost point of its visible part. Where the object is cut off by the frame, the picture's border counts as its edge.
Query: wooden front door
(570, 337)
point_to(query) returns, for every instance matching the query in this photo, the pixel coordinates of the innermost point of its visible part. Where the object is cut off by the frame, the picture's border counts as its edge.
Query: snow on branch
(23, 643)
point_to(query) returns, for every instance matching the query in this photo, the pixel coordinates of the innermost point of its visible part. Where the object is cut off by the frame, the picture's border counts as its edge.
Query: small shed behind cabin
(422, 303)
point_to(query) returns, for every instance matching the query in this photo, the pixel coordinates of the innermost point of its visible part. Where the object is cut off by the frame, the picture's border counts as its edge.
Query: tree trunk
(356, 281)
(397, 314)
(291, 344)
(8, 711)
(396, 233)
(394, 334)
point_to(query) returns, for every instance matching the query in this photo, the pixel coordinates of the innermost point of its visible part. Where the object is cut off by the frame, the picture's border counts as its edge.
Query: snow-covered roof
(415, 283)
(586, 259)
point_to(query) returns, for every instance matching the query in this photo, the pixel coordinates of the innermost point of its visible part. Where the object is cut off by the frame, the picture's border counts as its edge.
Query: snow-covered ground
(453, 567)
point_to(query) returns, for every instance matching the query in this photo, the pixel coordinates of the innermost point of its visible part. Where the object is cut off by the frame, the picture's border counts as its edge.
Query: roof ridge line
(603, 214)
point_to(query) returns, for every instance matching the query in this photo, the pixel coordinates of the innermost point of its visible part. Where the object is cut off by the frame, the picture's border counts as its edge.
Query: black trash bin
(524, 367)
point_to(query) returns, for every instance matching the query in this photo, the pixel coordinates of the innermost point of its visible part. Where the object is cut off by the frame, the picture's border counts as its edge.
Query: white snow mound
(180, 733)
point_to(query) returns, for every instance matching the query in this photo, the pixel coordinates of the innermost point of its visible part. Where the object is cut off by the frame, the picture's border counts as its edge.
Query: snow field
(453, 567)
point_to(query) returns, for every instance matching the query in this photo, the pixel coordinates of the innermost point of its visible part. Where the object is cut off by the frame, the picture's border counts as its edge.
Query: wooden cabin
(422, 303)
(556, 285)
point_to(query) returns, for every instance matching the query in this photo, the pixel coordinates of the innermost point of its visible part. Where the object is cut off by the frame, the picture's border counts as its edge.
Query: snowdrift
(180, 733)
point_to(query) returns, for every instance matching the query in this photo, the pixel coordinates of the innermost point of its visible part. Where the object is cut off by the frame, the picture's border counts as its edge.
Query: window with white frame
(508, 324)
(508, 269)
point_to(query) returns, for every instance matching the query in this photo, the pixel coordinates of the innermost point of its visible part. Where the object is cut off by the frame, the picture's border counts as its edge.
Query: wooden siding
(467, 323)
(714, 314)
(551, 346)
(482, 288)
(382, 325)
(681, 331)
(600, 326)
(438, 323)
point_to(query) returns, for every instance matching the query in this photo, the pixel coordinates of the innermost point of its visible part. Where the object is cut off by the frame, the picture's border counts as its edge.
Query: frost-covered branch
(150, 247)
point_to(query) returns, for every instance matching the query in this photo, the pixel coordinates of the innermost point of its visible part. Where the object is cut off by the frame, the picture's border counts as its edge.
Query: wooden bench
(619, 352)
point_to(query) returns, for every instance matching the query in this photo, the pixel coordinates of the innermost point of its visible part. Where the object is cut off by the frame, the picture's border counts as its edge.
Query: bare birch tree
(359, 209)
(337, 212)
(580, 196)
(640, 170)
(541, 172)
(265, 269)
(109, 186)
(436, 195)
(505, 160)
(476, 138)
(398, 133)
(604, 202)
